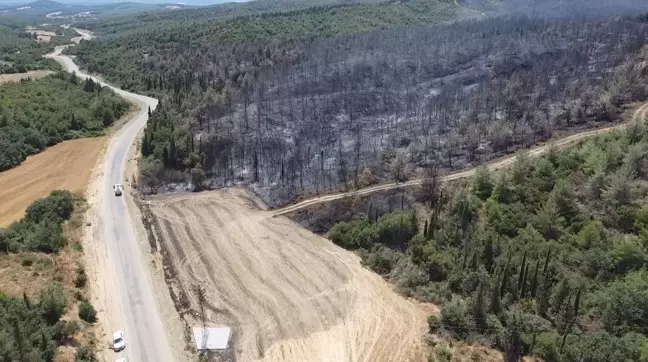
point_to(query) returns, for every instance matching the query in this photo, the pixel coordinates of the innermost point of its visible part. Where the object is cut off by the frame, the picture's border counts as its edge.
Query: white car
(119, 189)
(118, 341)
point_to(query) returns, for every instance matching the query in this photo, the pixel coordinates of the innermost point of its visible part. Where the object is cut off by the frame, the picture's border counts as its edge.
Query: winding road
(145, 336)
(139, 314)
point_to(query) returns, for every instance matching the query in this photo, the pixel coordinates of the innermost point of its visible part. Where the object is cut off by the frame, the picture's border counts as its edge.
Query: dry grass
(28, 273)
(17, 77)
(289, 294)
(66, 166)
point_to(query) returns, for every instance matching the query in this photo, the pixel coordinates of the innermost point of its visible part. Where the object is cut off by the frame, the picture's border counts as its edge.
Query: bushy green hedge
(41, 228)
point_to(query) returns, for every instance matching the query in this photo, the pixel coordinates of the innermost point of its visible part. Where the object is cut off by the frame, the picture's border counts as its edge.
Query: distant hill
(50, 9)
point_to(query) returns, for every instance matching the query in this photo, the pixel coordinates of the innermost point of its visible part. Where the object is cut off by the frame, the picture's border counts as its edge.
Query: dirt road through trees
(562, 143)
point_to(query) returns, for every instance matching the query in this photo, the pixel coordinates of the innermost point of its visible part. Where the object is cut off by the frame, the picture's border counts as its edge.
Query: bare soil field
(42, 36)
(66, 166)
(288, 294)
(17, 77)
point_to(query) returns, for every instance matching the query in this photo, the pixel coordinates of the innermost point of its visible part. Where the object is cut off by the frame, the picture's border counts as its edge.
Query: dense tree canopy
(20, 52)
(549, 258)
(42, 113)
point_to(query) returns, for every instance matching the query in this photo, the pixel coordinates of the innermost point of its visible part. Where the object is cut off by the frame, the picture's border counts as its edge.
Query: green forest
(31, 329)
(42, 113)
(136, 59)
(546, 259)
(20, 52)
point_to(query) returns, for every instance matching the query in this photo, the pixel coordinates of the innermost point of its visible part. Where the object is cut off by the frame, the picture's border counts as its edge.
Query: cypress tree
(18, 338)
(479, 310)
(534, 281)
(425, 230)
(26, 299)
(524, 281)
(521, 275)
(577, 303)
(495, 305)
(173, 153)
(504, 278)
(488, 254)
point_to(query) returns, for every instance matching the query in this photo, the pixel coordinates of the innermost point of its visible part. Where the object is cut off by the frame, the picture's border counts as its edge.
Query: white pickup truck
(118, 189)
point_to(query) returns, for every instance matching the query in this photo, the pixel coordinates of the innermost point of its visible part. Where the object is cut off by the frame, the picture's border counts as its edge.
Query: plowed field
(289, 294)
(66, 166)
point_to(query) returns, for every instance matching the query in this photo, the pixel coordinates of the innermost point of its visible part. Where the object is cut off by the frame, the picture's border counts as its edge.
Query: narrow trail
(561, 143)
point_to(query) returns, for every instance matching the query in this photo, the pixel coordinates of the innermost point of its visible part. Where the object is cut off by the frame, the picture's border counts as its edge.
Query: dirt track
(562, 143)
(66, 166)
(289, 294)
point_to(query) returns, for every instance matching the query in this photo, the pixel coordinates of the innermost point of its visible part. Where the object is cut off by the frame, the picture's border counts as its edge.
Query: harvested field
(17, 77)
(42, 36)
(66, 166)
(289, 294)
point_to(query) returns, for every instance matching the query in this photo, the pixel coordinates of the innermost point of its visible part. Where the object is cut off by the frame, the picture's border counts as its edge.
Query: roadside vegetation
(20, 52)
(37, 297)
(42, 113)
(546, 259)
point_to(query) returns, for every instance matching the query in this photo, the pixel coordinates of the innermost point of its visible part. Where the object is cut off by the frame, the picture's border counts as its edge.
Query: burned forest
(354, 110)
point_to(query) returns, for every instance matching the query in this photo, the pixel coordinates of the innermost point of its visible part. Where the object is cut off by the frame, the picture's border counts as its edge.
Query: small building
(211, 339)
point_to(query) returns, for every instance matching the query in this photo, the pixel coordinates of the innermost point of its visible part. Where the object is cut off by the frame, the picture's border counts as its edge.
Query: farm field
(288, 294)
(17, 77)
(66, 166)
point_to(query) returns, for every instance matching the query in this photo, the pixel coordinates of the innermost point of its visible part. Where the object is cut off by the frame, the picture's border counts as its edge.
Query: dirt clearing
(17, 77)
(66, 166)
(42, 36)
(289, 294)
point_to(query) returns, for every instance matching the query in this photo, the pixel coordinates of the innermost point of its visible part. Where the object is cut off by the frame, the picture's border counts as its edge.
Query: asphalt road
(145, 336)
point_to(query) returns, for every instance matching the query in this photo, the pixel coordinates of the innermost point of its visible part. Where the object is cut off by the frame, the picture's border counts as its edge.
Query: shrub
(81, 277)
(27, 260)
(85, 354)
(453, 317)
(87, 312)
(443, 355)
(52, 303)
(56, 207)
(434, 323)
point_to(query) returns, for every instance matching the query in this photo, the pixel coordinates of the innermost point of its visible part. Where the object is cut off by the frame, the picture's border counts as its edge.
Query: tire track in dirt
(290, 295)
(210, 259)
